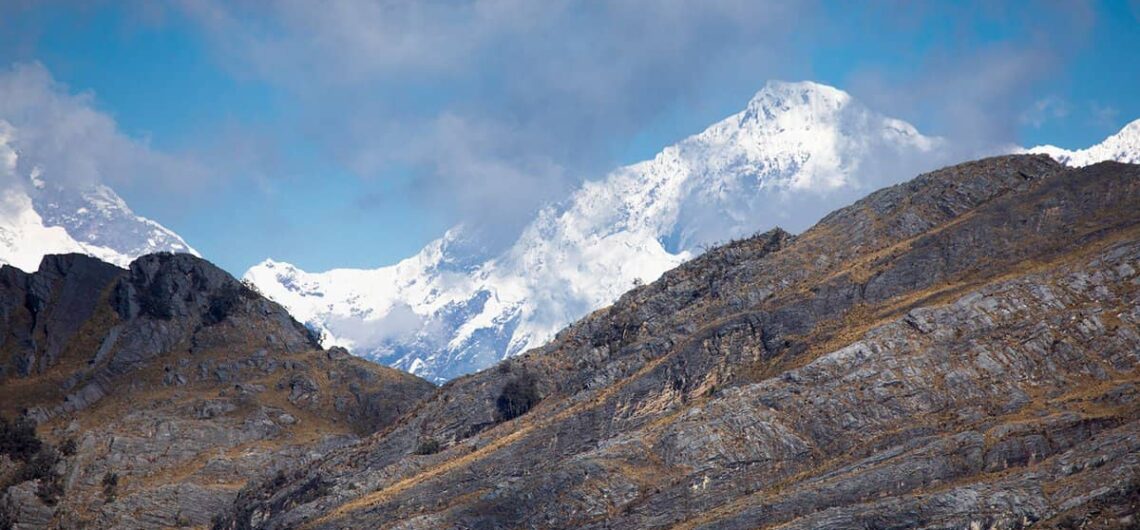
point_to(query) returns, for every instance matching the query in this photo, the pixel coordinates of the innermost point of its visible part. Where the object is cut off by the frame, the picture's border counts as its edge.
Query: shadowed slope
(161, 390)
(957, 349)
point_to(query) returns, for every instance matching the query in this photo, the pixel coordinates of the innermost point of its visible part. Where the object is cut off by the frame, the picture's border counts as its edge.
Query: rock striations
(793, 154)
(160, 390)
(958, 351)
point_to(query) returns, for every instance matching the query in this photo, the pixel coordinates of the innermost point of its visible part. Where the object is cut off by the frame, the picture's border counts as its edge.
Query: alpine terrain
(40, 216)
(146, 398)
(796, 312)
(796, 151)
(958, 351)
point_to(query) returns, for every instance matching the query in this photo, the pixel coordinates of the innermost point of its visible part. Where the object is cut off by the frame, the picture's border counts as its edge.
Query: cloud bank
(62, 138)
(479, 112)
(494, 107)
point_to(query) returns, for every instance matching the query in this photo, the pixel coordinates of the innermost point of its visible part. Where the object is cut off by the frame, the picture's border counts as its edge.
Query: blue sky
(351, 133)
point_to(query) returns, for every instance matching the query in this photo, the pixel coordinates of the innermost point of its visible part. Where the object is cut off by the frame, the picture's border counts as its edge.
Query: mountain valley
(956, 351)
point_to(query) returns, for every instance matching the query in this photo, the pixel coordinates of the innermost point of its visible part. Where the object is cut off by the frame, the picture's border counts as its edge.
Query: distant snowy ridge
(39, 217)
(1123, 146)
(797, 151)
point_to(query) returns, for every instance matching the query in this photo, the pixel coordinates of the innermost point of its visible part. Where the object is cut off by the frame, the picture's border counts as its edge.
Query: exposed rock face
(959, 351)
(162, 389)
(795, 152)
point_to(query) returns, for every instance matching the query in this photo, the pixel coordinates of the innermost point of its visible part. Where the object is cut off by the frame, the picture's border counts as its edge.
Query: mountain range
(960, 350)
(145, 397)
(956, 351)
(797, 151)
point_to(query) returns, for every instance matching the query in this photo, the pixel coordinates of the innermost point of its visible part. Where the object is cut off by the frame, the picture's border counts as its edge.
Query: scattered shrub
(249, 289)
(154, 300)
(279, 479)
(312, 490)
(41, 465)
(428, 446)
(7, 520)
(18, 439)
(110, 486)
(517, 397)
(68, 447)
(222, 304)
(49, 490)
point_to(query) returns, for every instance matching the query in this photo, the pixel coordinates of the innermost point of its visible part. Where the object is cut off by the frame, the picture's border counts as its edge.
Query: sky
(350, 133)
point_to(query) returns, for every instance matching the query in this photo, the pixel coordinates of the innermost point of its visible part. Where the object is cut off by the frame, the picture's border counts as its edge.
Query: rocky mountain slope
(41, 216)
(959, 351)
(147, 397)
(795, 152)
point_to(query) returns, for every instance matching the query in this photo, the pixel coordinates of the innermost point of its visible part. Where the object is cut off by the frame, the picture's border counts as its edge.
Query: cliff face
(160, 390)
(957, 350)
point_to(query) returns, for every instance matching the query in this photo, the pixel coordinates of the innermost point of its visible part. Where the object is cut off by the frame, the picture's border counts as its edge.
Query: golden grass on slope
(1077, 402)
(524, 427)
(1081, 399)
(146, 393)
(849, 329)
(43, 388)
(840, 333)
(837, 333)
(862, 318)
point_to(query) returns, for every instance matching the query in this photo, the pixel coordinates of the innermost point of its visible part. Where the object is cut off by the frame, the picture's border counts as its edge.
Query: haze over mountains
(797, 151)
(956, 351)
(40, 216)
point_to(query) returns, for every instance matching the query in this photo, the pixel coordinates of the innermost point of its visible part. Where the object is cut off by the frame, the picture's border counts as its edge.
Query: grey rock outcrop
(161, 382)
(959, 351)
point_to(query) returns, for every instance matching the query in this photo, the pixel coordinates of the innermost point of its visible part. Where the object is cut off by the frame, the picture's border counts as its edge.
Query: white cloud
(495, 105)
(61, 137)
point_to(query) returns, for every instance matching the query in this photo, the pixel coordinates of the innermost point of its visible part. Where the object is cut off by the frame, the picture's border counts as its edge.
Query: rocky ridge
(157, 392)
(796, 151)
(956, 351)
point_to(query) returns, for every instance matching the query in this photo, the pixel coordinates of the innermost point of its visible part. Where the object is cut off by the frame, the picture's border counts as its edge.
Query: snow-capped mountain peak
(795, 152)
(780, 104)
(1124, 146)
(40, 216)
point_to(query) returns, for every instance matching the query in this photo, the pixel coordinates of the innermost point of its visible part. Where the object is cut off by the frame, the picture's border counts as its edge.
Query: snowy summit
(794, 153)
(39, 216)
